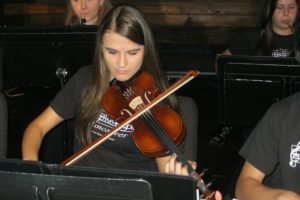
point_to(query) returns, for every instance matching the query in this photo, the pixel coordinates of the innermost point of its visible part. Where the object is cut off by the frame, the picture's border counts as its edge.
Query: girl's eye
(132, 53)
(112, 52)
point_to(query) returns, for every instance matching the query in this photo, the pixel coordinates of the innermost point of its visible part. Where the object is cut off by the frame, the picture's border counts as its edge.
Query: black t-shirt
(274, 145)
(119, 151)
(283, 46)
(67, 101)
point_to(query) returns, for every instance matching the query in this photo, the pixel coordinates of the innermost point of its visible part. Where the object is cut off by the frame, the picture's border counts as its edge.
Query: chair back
(188, 110)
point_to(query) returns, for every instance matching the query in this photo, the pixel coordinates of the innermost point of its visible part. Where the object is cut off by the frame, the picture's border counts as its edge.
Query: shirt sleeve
(261, 148)
(67, 100)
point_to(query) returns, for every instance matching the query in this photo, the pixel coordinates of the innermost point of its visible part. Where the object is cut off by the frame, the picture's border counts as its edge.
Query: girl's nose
(83, 4)
(286, 11)
(122, 60)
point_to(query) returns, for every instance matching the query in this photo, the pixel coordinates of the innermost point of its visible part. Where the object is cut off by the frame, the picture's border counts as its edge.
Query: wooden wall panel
(32, 9)
(192, 19)
(164, 13)
(203, 20)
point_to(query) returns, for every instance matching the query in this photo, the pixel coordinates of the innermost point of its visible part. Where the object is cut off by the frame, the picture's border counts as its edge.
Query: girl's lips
(121, 72)
(83, 15)
(285, 21)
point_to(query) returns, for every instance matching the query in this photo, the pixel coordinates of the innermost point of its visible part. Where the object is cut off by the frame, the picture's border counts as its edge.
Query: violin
(122, 99)
(158, 129)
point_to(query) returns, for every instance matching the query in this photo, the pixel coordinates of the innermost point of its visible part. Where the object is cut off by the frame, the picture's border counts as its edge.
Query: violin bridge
(136, 102)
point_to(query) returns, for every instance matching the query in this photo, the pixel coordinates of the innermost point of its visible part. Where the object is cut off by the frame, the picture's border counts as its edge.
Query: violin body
(122, 100)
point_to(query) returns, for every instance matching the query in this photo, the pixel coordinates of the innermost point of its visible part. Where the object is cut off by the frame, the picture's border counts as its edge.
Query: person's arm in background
(241, 45)
(227, 53)
(250, 187)
(35, 132)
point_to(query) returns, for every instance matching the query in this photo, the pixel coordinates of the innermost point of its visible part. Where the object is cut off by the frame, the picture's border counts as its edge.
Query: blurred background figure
(87, 12)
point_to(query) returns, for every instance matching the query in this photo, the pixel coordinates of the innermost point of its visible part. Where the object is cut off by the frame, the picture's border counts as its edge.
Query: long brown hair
(71, 19)
(130, 23)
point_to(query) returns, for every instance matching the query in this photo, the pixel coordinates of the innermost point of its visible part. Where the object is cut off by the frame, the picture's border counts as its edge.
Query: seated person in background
(272, 154)
(275, 38)
(88, 12)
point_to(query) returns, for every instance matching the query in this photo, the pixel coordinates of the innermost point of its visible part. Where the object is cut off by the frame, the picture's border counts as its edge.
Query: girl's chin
(122, 78)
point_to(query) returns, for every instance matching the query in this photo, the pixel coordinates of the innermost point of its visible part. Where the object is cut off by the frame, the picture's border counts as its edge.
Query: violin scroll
(206, 193)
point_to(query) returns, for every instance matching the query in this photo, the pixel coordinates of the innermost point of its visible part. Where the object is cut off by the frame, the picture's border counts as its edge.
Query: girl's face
(284, 16)
(87, 9)
(122, 56)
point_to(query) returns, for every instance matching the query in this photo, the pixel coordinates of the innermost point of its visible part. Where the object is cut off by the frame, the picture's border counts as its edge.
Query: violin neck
(165, 139)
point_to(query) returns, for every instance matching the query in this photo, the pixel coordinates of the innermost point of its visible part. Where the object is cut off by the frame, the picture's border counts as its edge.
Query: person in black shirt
(124, 46)
(272, 154)
(276, 35)
(275, 38)
(271, 169)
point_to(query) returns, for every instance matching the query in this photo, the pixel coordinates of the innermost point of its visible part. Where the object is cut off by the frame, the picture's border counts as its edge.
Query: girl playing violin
(124, 46)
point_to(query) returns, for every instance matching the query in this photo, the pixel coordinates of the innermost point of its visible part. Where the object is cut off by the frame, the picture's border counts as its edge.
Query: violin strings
(159, 131)
(164, 138)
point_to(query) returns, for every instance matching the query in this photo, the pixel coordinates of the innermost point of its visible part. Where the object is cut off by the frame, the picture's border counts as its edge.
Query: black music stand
(248, 85)
(47, 58)
(54, 187)
(35, 180)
